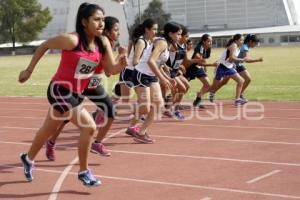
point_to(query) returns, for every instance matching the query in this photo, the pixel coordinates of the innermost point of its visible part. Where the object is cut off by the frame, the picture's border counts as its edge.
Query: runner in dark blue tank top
(174, 70)
(202, 51)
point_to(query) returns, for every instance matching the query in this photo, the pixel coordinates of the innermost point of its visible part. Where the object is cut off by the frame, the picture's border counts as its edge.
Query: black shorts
(194, 71)
(61, 98)
(117, 90)
(173, 73)
(240, 68)
(101, 99)
(143, 80)
(126, 77)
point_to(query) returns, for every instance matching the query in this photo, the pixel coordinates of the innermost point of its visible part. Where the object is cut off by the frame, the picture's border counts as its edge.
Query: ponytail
(233, 39)
(140, 29)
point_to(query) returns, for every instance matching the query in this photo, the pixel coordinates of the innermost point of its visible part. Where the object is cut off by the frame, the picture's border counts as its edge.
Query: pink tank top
(77, 67)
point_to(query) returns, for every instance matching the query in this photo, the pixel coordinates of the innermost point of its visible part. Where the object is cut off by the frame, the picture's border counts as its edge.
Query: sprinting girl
(112, 32)
(142, 39)
(251, 41)
(226, 67)
(82, 52)
(123, 89)
(96, 93)
(175, 70)
(202, 51)
(147, 71)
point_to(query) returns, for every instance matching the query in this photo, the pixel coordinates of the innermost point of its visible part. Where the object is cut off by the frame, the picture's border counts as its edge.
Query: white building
(223, 14)
(220, 17)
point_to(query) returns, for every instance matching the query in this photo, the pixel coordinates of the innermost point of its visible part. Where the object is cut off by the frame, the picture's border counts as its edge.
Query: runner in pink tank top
(73, 75)
(105, 113)
(77, 67)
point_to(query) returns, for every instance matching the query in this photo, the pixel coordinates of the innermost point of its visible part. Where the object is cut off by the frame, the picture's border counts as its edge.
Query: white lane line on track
(182, 156)
(225, 140)
(212, 139)
(22, 109)
(60, 180)
(17, 127)
(222, 126)
(21, 117)
(182, 185)
(206, 198)
(209, 158)
(263, 176)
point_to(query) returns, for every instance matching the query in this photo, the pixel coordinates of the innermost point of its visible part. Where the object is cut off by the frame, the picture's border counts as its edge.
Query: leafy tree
(154, 11)
(22, 20)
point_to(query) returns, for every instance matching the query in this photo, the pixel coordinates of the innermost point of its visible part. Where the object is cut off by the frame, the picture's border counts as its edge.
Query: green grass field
(277, 78)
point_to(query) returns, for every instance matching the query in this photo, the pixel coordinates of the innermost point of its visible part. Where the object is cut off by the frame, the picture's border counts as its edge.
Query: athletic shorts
(64, 100)
(127, 76)
(173, 73)
(61, 98)
(143, 80)
(117, 90)
(101, 99)
(222, 71)
(194, 71)
(240, 68)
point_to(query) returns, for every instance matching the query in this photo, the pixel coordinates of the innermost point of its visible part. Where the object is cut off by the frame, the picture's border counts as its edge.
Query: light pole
(122, 2)
(140, 19)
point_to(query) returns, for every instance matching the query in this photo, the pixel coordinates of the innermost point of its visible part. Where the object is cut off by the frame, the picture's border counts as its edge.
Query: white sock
(82, 172)
(28, 160)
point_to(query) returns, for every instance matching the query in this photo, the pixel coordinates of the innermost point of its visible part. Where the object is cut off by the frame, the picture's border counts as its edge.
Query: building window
(261, 40)
(294, 38)
(284, 38)
(271, 40)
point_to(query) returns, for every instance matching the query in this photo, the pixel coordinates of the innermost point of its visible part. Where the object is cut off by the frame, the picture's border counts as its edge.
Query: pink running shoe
(50, 151)
(98, 116)
(168, 113)
(133, 130)
(100, 149)
(145, 139)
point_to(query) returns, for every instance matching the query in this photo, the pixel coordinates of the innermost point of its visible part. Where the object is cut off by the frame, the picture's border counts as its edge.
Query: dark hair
(233, 39)
(170, 27)
(86, 10)
(110, 21)
(204, 38)
(251, 37)
(184, 29)
(189, 41)
(140, 29)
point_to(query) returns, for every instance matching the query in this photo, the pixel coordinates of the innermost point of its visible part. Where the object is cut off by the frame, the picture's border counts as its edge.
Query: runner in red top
(81, 54)
(105, 113)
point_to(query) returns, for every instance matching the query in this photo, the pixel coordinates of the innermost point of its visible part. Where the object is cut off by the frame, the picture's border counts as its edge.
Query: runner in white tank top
(147, 87)
(226, 68)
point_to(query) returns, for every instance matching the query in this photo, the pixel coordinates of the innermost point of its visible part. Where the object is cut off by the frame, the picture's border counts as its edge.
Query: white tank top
(130, 58)
(143, 66)
(164, 56)
(224, 58)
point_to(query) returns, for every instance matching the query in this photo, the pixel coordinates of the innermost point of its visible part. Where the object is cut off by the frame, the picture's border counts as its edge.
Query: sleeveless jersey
(176, 57)
(224, 58)
(76, 68)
